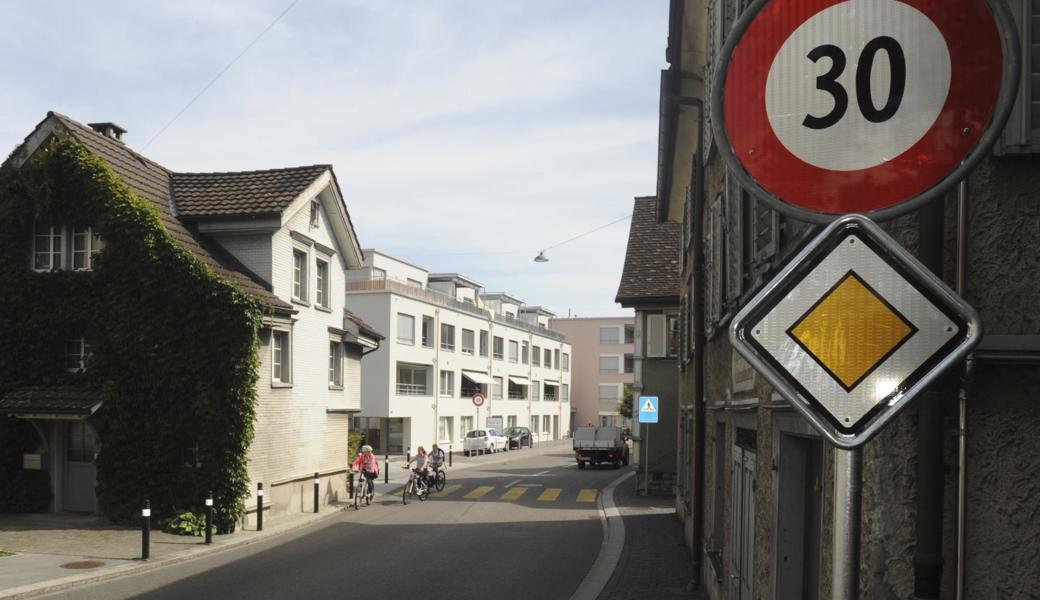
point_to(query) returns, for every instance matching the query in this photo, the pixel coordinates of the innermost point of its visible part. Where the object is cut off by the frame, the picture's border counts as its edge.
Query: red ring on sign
(478, 400)
(976, 58)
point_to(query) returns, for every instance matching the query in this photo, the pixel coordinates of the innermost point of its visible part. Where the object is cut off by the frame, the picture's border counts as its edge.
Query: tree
(625, 406)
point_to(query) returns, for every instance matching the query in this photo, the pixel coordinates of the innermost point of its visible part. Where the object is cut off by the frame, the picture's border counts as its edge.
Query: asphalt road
(526, 528)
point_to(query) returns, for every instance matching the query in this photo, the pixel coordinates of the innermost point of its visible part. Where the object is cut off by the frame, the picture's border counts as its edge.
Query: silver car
(484, 440)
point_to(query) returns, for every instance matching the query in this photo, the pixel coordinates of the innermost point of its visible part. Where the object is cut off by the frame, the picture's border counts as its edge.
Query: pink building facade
(601, 369)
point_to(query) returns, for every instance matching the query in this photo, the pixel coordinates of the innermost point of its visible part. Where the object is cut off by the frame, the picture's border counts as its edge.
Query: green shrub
(26, 491)
(186, 523)
(353, 443)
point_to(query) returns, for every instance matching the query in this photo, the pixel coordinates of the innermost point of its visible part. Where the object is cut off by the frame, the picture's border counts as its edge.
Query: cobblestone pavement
(655, 562)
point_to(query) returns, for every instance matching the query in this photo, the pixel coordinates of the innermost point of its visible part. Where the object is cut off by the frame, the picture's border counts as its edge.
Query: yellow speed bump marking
(513, 493)
(449, 489)
(480, 492)
(550, 494)
(587, 496)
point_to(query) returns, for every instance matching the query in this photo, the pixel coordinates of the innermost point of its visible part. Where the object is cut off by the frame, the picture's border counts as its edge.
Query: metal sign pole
(646, 458)
(848, 497)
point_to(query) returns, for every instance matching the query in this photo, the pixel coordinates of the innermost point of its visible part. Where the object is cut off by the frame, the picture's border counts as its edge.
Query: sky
(466, 135)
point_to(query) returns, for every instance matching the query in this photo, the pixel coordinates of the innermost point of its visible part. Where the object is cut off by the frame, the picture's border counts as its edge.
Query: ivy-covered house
(170, 334)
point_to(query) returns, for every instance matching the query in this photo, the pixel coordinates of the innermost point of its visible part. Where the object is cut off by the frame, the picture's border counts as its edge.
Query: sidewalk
(58, 551)
(655, 562)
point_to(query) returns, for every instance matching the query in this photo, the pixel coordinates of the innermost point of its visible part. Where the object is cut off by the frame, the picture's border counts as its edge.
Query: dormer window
(314, 213)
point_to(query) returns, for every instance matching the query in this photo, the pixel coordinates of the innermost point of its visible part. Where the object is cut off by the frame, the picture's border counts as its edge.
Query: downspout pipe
(697, 219)
(928, 560)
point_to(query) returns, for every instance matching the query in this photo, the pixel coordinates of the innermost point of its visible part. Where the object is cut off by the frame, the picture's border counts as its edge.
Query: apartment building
(448, 340)
(601, 369)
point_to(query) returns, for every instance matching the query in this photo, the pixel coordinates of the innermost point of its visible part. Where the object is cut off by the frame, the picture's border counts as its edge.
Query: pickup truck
(598, 445)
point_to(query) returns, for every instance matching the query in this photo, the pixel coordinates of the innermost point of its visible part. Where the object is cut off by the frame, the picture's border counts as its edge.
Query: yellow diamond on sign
(851, 330)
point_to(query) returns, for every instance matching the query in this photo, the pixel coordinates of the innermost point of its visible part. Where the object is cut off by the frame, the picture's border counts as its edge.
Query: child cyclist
(368, 465)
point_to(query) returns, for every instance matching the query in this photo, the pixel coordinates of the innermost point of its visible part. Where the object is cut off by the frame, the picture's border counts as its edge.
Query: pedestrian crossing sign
(648, 409)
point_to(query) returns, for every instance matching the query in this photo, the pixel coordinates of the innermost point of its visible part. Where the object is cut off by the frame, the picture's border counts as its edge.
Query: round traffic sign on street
(478, 399)
(829, 107)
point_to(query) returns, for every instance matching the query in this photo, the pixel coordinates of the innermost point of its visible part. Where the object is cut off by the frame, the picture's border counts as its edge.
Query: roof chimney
(109, 130)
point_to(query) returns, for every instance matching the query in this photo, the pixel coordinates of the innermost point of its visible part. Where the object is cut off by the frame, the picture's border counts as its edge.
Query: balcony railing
(551, 397)
(411, 389)
(517, 396)
(448, 347)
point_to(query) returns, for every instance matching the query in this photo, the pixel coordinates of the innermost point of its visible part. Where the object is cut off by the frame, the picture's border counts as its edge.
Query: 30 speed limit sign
(828, 107)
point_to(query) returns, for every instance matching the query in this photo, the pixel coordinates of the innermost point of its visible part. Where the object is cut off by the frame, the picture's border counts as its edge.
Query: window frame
(536, 356)
(618, 332)
(498, 347)
(448, 383)
(463, 347)
(514, 351)
(335, 365)
(322, 285)
(618, 364)
(496, 388)
(428, 336)
(281, 357)
(53, 232)
(484, 343)
(300, 276)
(617, 393)
(447, 337)
(410, 341)
(81, 354)
(525, 352)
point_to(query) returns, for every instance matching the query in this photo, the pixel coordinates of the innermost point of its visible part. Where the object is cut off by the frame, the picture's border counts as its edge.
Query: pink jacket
(372, 465)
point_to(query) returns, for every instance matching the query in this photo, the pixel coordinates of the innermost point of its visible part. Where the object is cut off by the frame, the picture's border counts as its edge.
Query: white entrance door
(80, 473)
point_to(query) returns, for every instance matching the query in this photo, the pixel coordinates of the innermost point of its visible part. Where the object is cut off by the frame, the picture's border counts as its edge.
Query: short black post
(146, 528)
(449, 455)
(386, 469)
(209, 518)
(260, 506)
(317, 490)
(350, 484)
(408, 454)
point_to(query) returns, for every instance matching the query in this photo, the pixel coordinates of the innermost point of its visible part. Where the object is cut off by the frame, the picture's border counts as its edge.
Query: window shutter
(1022, 132)
(714, 45)
(734, 238)
(713, 263)
(657, 335)
(765, 231)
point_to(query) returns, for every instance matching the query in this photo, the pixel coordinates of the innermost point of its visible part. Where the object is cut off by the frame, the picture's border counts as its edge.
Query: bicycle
(416, 486)
(439, 478)
(361, 490)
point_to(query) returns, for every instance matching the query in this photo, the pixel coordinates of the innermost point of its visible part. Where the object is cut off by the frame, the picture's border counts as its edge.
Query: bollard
(350, 484)
(317, 489)
(209, 518)
(146, 528)
(408, 454)
(260, 506)
(386, 469)
(449, 455)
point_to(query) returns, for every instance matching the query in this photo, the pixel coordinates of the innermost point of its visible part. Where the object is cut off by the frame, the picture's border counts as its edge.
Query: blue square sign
(648, 409)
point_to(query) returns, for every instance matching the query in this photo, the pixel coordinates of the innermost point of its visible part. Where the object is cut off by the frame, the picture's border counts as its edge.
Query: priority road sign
(830, 107)
(648, 409)
(852, 329)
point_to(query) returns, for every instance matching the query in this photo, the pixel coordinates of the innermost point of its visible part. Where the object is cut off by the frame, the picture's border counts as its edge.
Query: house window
(415, 283)
(556, 355)
(496, 388)
(609, 335)
(335, 364)
(445, 429)
(76, 352)
(299, 275)
(498, 349)
(465, 425)
(513, 351)
(656, 339)
(405, 329)
(447, 337)
(47, 248)
(525, 353)
(483, 343)
(536, 356)
(609, 393)
(673, 336)
(378, 274)
(314, 213)
(467, 341)
(566, 362)
(86, 245)
(630, 363)
(321, 283)
(609, 364)
(546, 424)
(565, 393)
(511, 421)
(411, 380)
(427, 332)
(630, 334)
(534, 425)
(281, 357)
(448, 384)
(536, 390)
(80, 442)
(548, 358)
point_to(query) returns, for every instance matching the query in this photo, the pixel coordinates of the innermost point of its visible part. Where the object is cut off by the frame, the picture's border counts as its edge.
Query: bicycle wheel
(424, 491)
(440, 481)
(408, 489)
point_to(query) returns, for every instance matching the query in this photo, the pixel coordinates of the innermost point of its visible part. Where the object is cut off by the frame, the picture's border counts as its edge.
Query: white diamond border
(935, 329)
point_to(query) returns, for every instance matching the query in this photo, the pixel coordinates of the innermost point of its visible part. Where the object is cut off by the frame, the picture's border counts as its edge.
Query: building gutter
(696, 216)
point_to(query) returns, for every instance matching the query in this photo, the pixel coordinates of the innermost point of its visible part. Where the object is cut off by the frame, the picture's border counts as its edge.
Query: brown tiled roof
(152, 181)
(251, 193)
(362, 326)
(57, 400)
(651, 272)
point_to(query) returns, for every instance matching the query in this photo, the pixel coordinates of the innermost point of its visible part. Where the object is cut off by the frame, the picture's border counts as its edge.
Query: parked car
(484, 440)
(518, 437)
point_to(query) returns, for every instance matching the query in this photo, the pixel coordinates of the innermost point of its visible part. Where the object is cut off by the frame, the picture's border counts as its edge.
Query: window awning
(59, 402)
(519, 380)
(478, 377)
(551, 382)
